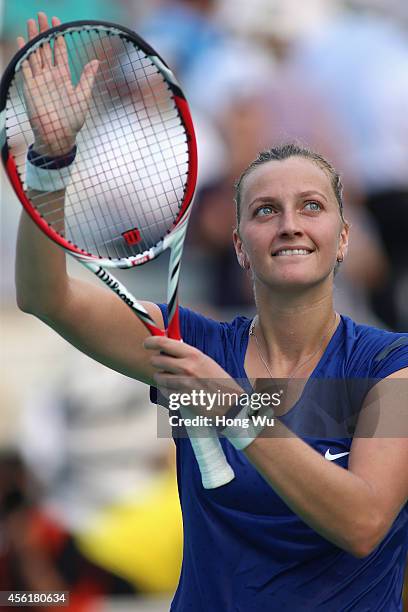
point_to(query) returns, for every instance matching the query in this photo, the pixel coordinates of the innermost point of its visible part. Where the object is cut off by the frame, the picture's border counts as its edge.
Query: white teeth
(293, 252)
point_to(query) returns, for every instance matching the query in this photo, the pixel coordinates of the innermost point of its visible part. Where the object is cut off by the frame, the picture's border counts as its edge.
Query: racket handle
(214, 467)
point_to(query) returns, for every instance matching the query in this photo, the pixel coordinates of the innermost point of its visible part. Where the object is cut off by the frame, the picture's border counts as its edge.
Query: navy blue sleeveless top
(245, 550)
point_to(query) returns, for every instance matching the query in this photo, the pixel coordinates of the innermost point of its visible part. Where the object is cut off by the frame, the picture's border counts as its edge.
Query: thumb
(87, 79)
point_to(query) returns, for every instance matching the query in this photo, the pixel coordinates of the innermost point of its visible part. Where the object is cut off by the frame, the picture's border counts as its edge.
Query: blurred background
(88, 499)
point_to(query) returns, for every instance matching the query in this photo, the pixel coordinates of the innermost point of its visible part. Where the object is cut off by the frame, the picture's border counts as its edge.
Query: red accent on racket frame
(141, 260)
(173, 330)
(35, 215)
(192, 150)
(153, 329)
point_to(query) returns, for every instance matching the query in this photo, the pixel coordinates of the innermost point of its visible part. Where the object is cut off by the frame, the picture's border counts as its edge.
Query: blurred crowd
(88, 488)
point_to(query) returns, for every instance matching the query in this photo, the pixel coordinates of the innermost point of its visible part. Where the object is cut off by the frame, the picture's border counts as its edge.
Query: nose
(290, 223)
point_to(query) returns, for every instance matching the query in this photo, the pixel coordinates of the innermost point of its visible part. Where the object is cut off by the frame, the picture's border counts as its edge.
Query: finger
(20, 42)
(166, 381)
(167, 364)
(32, 29)
(43, 21)
(171, 347)
(27, 72)
(60, 47)
(34, 59)
(86, 82)
(46, 54)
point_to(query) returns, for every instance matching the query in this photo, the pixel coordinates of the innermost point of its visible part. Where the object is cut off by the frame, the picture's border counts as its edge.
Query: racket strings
(109, 215)
(111, 174)
(66, 210)
(148, 147)
(96, 175)
(176, 131)
(16, 127)
(41, 205)
(132, 162)
(103, 98)
(157, 133)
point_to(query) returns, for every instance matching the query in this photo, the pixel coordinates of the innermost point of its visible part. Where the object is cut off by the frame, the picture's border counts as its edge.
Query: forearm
(336, 503)
(41, 277)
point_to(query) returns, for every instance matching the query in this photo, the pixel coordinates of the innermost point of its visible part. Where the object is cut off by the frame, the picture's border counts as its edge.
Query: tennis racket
(122, 193)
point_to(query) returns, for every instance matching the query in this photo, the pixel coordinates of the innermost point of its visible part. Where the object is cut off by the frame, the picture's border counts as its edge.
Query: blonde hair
(285, 151)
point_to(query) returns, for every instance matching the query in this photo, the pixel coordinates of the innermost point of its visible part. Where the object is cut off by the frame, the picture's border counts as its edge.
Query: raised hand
(56, 109)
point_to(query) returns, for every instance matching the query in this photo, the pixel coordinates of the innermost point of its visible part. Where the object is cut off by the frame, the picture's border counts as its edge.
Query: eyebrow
(302, 194)
(313, 192)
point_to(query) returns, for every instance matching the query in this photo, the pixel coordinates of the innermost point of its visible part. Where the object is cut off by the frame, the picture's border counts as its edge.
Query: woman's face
(291, 233)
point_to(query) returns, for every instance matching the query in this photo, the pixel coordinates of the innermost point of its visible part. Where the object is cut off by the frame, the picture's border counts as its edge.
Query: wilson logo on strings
(132, 236)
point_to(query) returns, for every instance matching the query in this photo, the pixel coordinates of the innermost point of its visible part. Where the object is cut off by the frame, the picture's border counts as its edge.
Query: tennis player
(314, 520)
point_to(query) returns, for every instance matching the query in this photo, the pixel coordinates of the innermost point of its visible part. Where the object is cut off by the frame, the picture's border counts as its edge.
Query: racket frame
(214, 468)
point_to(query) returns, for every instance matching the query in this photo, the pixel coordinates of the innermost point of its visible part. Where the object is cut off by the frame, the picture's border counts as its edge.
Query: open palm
(56, 109)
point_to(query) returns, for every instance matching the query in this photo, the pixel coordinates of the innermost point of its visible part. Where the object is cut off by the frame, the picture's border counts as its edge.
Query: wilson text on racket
(114, 285)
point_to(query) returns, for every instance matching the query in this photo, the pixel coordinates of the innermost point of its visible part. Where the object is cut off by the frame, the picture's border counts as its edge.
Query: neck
(290, 328)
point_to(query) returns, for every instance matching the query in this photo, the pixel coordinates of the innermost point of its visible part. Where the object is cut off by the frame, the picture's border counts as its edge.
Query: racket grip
(214, 467)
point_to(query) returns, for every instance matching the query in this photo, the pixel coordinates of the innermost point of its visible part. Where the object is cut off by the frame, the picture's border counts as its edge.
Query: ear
(240, 250)
(343, 242)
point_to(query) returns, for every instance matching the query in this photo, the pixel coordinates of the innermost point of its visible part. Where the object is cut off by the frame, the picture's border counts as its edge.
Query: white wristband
(48, 174)
(235, 433)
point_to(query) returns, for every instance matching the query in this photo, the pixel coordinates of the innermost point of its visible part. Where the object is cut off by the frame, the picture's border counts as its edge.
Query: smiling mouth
(292, 252)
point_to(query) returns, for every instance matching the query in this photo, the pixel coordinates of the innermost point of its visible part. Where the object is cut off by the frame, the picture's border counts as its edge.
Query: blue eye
(262, 211)
(314, 206)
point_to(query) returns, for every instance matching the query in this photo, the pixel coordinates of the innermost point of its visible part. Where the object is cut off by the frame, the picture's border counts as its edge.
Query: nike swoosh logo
(331, 457)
